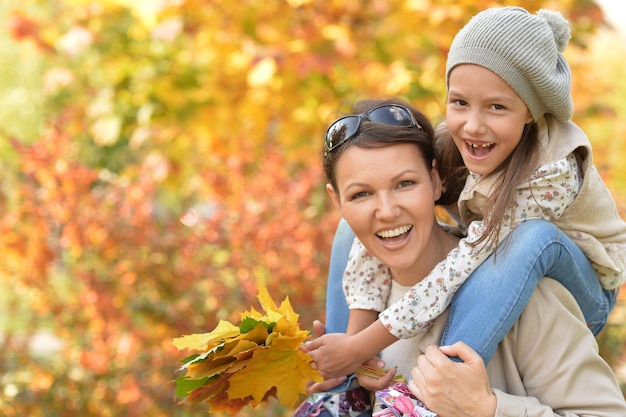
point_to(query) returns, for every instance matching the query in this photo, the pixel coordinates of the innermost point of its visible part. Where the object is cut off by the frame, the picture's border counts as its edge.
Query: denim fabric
(489, 303)
(336, 308)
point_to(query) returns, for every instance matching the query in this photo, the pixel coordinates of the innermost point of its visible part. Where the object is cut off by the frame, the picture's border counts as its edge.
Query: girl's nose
(474, 124)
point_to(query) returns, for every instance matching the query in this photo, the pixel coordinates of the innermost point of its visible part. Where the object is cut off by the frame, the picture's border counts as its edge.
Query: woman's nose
(388, 208)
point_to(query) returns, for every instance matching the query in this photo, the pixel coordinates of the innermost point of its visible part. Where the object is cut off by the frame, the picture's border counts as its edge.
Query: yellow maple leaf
(281, 366)
(247, 364)
(272, 313)
(206, 341)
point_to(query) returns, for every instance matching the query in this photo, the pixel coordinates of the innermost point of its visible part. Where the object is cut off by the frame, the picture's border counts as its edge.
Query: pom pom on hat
(525, 50)
(559, 26)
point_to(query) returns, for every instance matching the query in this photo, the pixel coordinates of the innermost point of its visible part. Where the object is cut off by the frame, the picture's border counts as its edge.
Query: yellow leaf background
(161, 159)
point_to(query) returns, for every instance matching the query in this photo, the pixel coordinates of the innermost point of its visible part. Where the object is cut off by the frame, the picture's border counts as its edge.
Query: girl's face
(485, 116)
(387, 197)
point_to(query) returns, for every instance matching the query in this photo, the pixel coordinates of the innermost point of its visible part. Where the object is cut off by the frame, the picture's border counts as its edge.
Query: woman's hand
(372, 383)
(312, 387)
(453, 389)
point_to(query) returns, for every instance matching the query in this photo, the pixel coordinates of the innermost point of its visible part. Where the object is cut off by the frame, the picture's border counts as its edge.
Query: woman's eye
(405, 183)
(358, 195)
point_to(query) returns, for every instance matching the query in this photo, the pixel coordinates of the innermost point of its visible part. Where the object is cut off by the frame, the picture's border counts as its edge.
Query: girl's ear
(334, 197)
(529, 117)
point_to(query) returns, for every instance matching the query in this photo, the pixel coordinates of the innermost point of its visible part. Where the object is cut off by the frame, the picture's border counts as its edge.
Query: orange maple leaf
(281, 365)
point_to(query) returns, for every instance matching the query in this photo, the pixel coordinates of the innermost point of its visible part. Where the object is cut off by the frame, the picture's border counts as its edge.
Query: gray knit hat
(525, 51)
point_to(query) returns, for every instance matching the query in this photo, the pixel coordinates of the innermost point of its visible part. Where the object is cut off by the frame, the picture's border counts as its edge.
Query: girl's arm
(339, 354)
(360, 319)
(366, 280)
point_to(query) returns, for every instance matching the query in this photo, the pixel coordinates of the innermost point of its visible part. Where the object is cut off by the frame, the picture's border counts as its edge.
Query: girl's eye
(460, 102)
(498, 107)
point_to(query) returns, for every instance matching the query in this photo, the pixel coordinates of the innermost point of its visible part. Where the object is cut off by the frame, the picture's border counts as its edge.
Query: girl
(508, 136)
(374, 195)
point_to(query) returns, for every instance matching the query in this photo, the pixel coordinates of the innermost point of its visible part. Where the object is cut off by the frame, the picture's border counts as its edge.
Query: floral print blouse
(366, 282)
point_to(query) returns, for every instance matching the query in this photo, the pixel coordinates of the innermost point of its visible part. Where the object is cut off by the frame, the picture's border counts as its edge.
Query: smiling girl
(508, 136)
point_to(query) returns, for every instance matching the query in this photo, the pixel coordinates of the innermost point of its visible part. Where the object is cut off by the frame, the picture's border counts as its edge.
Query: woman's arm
(454, 389)
(336, 307)
(559, 370)
(548, 365)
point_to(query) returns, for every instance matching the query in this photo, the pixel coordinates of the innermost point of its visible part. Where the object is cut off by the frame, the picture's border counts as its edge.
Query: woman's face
(387, 196)
(485, 117)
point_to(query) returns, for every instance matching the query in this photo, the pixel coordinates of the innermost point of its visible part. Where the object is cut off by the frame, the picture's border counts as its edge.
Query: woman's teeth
(386, 234)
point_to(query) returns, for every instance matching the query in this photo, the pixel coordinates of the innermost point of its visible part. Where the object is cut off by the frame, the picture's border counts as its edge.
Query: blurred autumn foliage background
(161, 158)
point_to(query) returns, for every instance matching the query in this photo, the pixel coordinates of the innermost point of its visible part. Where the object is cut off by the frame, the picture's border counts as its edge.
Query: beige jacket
(591, 221)
(547, 365)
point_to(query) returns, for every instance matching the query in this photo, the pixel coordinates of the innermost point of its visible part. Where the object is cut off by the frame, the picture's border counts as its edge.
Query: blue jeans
(336, 308)
(487, 305)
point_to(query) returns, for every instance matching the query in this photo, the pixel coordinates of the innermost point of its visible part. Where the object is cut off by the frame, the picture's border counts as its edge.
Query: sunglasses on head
(346, 127)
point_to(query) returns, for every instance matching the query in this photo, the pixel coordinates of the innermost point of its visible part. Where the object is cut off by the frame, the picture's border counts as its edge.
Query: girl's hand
(453, 389)
(313, 387)
(334, 354)
(372, 383)
(338, 354)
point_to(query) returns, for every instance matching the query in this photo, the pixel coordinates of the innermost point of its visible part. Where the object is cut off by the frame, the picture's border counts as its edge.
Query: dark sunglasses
(346, 127)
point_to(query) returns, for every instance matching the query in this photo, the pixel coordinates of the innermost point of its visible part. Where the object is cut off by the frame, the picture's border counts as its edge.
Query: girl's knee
(536, 227)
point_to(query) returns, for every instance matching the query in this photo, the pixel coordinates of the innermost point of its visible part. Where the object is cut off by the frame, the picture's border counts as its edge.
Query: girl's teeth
(484, 145)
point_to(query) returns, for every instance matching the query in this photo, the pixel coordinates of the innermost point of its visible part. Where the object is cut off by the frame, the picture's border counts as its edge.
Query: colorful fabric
(353, 401)
(398, 401)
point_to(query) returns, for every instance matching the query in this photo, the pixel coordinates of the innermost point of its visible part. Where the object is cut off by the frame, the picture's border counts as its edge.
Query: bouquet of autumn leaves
(237, 365)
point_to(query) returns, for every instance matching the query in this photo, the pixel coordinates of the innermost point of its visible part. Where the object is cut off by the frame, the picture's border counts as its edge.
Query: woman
(507, 123)
(383, 178)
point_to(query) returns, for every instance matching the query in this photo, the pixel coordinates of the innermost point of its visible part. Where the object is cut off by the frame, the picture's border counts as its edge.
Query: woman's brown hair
(378, 135)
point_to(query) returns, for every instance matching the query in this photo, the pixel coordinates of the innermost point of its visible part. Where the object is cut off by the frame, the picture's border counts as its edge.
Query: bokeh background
(161, 158)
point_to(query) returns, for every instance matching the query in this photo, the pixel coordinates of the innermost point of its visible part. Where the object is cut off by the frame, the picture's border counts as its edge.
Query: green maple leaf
(184, 385)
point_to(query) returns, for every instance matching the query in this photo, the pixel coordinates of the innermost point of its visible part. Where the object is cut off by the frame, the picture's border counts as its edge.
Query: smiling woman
(391, 207)
(385, 183)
